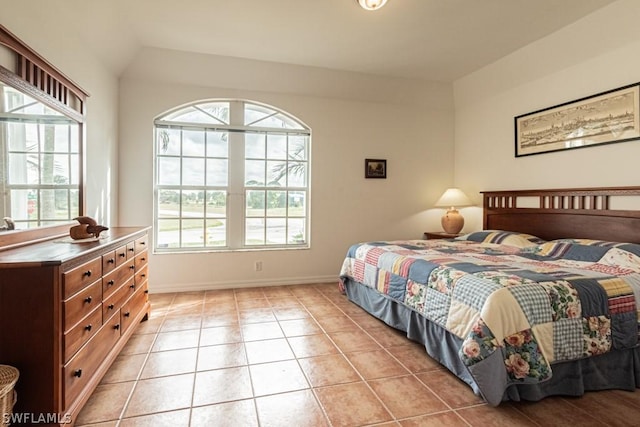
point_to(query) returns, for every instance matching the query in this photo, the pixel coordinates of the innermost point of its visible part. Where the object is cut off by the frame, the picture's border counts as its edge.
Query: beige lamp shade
(452, 222)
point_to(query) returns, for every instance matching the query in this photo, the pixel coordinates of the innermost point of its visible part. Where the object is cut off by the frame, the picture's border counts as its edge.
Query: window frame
(237, 190)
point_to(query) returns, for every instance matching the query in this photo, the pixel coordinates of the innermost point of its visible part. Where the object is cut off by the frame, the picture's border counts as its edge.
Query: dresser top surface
(60, 249)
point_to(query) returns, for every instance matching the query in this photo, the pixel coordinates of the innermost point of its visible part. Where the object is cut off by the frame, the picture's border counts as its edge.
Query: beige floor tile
(257, 315)
(277, 377)
(298, 327)
(455, 392)
(222, 385)
(261, 331)
(557, 411)
(171, 418)
(352, 404)
(106, 403)
(220, 335)
(387, 336)
(503, 415)
(126, 367)
(612, 407)
(173, 362)
(326, 309)
(181, 322)
(250, 304)
(288, 313)
(139, 344)
(337, 324)
(328, 370)
(312, 345)
(221, 356)
(238, 413)
(160, 395)
(298, 408)
(268, 351)
(448, 419)
(176, 340)
(376, 364)
(248, 293)
(407, 397)
(352, 341)
(414, 357)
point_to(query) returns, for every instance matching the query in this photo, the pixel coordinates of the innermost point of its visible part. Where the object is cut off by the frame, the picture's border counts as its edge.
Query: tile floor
(301, 356)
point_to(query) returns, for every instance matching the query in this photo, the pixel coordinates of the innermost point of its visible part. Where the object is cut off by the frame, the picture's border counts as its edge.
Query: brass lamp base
(452, 222)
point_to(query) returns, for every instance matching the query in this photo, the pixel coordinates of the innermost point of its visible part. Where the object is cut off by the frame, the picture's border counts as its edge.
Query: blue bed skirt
(614, 370)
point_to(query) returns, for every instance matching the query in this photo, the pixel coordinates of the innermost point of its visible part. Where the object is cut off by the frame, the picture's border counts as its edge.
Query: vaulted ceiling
(439, 40)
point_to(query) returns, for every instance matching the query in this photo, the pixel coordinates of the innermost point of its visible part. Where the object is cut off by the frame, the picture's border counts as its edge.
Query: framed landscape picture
(375, 168)
(604, 118)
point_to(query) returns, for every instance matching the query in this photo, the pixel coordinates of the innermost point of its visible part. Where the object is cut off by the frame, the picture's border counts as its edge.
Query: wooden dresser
(66, 311)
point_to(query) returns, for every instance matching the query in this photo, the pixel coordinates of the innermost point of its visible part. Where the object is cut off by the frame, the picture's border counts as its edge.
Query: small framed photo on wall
(375, 168)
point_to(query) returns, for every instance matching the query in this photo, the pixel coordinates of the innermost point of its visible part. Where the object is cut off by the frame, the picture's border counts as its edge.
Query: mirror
(40, 159)
(42, 116)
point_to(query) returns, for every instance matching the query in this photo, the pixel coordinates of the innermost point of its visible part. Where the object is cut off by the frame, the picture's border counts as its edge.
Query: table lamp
(452, 221)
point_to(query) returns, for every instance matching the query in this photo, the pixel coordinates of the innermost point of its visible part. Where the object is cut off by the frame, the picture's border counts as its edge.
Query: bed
(544, 301)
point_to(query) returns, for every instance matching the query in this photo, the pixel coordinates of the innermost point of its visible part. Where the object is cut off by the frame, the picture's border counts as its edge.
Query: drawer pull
(146, 291)
(127, 314)
(87, 273)
(143, 259)
(88, 299)
(77, 373)
(116, 326)
(111, 261)
(132, 286)
(131, 249)
(132, 267)
(110, 306)
(110, 283)
(143, 243)
(143, 275)
(88, 327)
(122, 254)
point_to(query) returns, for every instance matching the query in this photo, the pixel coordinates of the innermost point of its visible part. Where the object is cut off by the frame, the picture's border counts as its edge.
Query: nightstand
(429, 235)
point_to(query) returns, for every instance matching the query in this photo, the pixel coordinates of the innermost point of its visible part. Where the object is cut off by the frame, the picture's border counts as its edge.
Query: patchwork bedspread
(516, 309)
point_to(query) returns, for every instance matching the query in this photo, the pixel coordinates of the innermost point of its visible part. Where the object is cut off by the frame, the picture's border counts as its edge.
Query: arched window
(230, 174)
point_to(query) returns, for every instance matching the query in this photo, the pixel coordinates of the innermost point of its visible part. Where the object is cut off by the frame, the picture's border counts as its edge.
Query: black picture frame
(375, 168)
(604, 118)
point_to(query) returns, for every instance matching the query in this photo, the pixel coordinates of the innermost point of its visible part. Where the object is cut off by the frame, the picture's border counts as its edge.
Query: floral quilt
(523, 301)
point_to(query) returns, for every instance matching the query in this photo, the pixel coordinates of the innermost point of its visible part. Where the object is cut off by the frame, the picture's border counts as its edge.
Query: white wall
(352, 117)
(595, 54)
(35, 25)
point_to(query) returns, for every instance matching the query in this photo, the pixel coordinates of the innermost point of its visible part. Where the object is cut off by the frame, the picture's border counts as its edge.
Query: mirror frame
(36, 77)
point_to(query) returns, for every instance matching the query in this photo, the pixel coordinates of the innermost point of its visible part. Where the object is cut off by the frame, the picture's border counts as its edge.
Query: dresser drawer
(141, 260)
(121, 255)
(141, 243)
(82, 367)
(108, 262)
(142, 275)
(81, 304)
(78, 278)
(132, 307)
(115, 279)
(112, 304)
(80, 334)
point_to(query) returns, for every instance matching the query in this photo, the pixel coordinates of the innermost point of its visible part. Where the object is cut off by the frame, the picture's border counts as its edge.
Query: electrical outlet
(258, 266)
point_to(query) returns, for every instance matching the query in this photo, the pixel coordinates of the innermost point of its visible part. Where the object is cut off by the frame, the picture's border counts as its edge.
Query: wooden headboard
(564, 213)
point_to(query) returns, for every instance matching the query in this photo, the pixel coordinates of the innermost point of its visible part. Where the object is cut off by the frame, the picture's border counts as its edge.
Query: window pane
(254, 145)
(209, 113)
(169, 142)
(192, 232)
(255, 113)
(74, 196)
(217, 172)
(55, 169)
(298, 147)
(169, 170)
(192, 171)
(276, 203)
(276, 174)
(23, 204)
(75, 139)
(192, 204)
(216, 232)
(53, 204)
(297, 201)
(75, 171)
(217, 144)
(216, 204)
(296, 231)
(276, 231)
(61, 138)
(297, 174)
(168, 233)
(254, 231)
(23, 168)
(255, 203)
(254, 172)
(168, 204)
(276, 146)
(193, 143)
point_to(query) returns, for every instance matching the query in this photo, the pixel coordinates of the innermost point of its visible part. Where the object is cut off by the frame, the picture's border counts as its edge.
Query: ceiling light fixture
(371, 4)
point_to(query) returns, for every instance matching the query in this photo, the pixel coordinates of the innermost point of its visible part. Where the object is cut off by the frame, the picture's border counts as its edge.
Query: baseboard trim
(211, 286)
